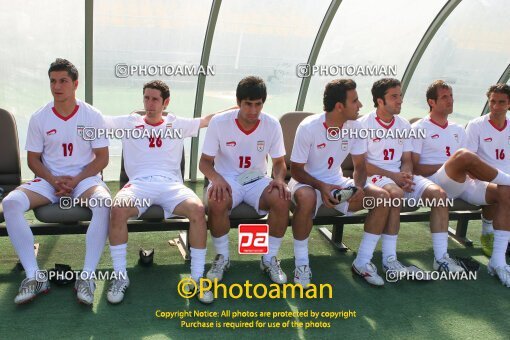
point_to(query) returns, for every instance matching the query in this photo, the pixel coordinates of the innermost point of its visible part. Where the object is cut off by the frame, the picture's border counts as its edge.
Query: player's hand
(60, 190)
(403, 179)
(328, 200)
(220, 190)
(358, 195)
(282, 188)
(69, 184)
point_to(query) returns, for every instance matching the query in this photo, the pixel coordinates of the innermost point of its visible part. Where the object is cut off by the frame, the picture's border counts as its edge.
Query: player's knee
(380, 193)
(15, 201)
(464, 155)
(196, 211)
(305, 199)
(217, 206)
(119, 215)
(396, 193)
(503, 192)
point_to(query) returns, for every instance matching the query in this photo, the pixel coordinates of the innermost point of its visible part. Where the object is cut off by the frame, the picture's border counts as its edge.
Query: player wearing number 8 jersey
(442, 157)
(489, 137)
(152, 164)
(65, 164)
(316, 159)
(234, 158)
(389, 166)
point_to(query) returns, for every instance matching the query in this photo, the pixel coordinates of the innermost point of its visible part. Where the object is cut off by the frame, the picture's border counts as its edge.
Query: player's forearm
(360, 176)
(375, 170)
(304, 177)
(94, 167)
(407, 167)
(38, 168)
(426, 169)
(207, 168)
(279, 171)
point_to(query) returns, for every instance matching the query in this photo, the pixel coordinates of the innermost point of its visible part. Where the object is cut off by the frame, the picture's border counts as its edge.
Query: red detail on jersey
(494, 125)
(321, 146)
(232, 143)
(139, 127)
(435, 136)
(247, 132)
(126, 186)
(51, 132)
(384, 124)
(146, 122)
(441, 126)
(375, 140)
(68, 117)
(327, 127)
(488, 139)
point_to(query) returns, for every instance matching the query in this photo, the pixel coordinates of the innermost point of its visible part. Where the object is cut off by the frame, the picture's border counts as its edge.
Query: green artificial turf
(441, 309)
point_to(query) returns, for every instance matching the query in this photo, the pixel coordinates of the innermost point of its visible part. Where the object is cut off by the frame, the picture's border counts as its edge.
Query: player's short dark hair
(64, 65)
(158, 85)
(336, 91)
(433, 88)
(251, 88)
(381, 87)
(499, 88)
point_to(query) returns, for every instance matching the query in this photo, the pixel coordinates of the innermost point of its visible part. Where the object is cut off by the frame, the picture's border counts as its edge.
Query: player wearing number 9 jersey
(489, 137)
(442, 158)
(318, 152)
(65, 164)
(234, 158)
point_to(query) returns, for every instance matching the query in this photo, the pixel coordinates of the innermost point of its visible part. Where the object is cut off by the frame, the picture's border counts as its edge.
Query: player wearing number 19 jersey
(65, 164)
(489, 138)
(234, 158)
(442, 157)
(318, 152)
(389, 166)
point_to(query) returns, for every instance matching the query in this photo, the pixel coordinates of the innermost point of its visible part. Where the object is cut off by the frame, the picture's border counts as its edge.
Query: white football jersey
(237, 150)
(323, 157)
(154, 155)
(386, 153)
(489, 142)
(440, 142)
(64, 151)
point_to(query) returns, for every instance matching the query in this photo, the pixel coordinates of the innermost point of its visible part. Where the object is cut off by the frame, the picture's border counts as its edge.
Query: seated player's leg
(497, 263)
(258, 196)
(439, 227)
(487, 236)
(464, 162)
(122, 210)
(305, 198)
(182, 201)
(374, 226)
(28, 196)
(93, 188)
(219, 225)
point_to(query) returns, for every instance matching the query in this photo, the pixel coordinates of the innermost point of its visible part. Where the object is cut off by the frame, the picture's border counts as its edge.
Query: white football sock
(221, 245)
(197, 263)
(301, 252)
(366, 249)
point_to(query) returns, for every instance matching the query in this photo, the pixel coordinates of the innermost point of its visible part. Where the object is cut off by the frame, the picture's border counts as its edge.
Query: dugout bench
(56, 221)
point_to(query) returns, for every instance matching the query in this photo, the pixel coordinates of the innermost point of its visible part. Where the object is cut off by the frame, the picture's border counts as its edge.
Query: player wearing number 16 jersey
(389, 166)
(489, 138)
(318, 152)
(65, 164)
(234, 158)
(442, 157)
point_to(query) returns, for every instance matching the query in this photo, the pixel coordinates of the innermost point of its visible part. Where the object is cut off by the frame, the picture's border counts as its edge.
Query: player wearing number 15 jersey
(234, 158)
(65, 164)
(442, 157)
(489, 138)
(318, 152)
(153, 166)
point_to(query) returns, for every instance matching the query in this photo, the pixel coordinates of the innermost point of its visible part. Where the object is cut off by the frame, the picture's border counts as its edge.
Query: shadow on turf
(403, 308)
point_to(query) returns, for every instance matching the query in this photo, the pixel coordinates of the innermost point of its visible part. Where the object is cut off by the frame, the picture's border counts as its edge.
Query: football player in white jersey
(65, 164)
(234, 158)
(316, 171)
(152, 164)
(389, 166)
(489, 137)
(443, 158)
